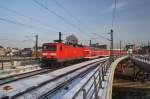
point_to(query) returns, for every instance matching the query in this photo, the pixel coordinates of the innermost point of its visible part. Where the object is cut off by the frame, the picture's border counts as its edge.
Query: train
(59, 53)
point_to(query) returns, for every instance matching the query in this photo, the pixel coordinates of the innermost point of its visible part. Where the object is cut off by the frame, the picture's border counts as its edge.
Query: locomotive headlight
(52, 54)
(44, 54)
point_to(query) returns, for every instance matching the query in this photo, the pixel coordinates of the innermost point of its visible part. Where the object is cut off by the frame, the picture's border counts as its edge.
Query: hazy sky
(20, 20)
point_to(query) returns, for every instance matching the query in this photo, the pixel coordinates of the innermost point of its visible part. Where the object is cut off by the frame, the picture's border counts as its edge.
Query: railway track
(35, 91)
(59, 76)
(67, 85)
(16, 77)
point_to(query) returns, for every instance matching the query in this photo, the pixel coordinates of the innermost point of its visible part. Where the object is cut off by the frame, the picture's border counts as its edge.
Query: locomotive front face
(49, 53)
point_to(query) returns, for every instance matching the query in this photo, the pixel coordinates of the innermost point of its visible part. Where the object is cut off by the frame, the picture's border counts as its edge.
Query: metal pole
(60, 37)
(148, 46)
(111, 46)
(120, 48)
(36, 45)
(117, 46)
(84, 94)
(95, 88)
(90, 43)
(102, 68)
(2, 65)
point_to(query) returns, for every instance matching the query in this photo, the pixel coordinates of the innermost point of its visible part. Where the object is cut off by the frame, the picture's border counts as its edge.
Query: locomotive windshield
(49, 47)
(87, 52)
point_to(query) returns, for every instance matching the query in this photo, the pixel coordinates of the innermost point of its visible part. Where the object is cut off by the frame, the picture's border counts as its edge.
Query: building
(26, 52)
(2, 51)
(72, 39)
(99, 46)
(39, 52)
(144, 50)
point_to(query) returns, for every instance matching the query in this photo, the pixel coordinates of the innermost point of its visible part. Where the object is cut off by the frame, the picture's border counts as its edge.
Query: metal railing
(92, 86)
(10, 61)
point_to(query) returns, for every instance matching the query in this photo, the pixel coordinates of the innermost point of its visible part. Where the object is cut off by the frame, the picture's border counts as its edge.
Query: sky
(21, 20)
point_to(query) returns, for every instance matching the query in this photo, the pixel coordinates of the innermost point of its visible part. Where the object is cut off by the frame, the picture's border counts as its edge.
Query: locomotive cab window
(87, 52)
(49, 47)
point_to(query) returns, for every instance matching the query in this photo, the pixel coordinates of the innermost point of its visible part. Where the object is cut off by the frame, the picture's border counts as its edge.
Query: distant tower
(36, 46)
(90, 43)
(72, 39)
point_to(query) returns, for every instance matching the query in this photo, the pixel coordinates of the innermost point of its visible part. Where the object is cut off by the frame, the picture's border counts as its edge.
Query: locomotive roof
(52, 43)
(93, 48)
(49, 43)
(65, 44)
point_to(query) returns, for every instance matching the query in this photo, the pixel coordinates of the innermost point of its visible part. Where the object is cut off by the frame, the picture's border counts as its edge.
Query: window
(61, 48)
(49, 47)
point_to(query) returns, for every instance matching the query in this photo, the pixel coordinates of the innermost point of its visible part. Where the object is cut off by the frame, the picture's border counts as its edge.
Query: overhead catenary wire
(30, 18)
(102, 36)
(59, 16)
(21, 24)
(70, 14)
(112, 22)
(114, 13)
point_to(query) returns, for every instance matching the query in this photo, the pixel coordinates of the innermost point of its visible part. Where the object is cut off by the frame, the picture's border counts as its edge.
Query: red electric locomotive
(54, 53)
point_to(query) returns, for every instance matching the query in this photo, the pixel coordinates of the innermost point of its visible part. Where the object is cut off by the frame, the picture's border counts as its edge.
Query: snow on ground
(72, 92)
(62, 91)
(75, 89)
(18, 70)
(44, 89)
(24, 84)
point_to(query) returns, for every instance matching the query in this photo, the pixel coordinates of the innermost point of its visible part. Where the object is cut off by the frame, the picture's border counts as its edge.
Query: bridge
(99, 85)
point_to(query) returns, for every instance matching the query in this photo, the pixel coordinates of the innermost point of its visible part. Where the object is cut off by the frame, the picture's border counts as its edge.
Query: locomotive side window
(49, 47)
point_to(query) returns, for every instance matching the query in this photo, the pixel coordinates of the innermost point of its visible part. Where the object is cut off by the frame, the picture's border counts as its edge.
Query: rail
(16, 77)
(45, 83)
